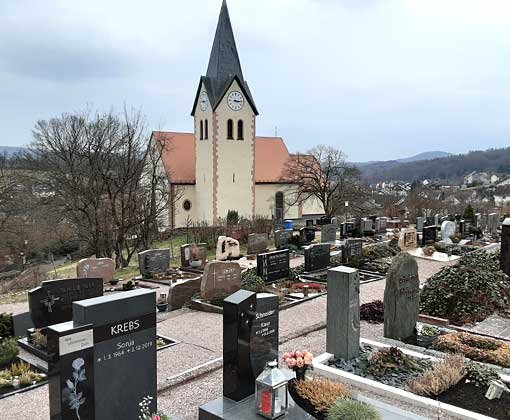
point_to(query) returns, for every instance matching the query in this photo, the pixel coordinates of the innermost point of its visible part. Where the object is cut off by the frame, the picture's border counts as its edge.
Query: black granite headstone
(307, 235)
(273, 266)
(317, 257)
(282, 238)
(51, 303)
(429, 235)
(154, 261)
(257, 243)
(71, 372)
(351, 248)
(250, 340)
(125, 371)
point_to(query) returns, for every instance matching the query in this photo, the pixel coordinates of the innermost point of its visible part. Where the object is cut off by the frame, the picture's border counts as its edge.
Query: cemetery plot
(20, 376)
(170, 277)
(364, 276)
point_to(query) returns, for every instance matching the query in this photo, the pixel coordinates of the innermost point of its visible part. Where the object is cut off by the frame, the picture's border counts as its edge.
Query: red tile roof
(179, 157)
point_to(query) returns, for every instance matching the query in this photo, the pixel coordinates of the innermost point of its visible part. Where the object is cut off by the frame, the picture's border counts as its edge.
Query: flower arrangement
(299, 362)
(145, 412)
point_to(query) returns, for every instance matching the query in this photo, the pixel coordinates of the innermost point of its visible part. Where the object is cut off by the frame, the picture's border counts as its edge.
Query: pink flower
(286, 356)
(300, 362)
(291, 362)
(299, 354)
(156, 417)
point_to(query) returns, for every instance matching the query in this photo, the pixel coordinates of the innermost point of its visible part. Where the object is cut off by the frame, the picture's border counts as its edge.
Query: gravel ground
(200, 337)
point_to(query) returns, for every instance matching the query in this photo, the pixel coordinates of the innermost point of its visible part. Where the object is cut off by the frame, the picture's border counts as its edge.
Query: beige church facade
(223, 165)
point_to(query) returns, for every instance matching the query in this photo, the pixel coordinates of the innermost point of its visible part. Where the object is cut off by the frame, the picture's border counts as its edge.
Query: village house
(223, 165)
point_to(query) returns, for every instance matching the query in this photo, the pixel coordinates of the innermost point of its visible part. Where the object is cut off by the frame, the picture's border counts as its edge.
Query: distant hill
(451, 167)
(418, 157)
(10, 150)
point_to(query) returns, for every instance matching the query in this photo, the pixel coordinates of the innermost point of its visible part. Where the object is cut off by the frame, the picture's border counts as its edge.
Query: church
(223, 165)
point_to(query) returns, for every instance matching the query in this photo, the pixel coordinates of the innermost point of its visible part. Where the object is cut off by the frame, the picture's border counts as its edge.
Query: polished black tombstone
(317, 257)
(250, 340)
(351, 248)
(273, 266)
(429, 235)
(51, 303)
(306, 235)
(282, 238)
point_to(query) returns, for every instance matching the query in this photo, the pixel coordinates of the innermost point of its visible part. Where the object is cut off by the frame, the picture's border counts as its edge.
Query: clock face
(204, 101)
(235, 101)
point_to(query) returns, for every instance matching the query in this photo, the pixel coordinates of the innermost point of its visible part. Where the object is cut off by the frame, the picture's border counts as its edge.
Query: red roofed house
(223, 165)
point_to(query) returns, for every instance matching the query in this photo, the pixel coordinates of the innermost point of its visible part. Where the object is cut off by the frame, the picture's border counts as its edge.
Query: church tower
(224, 114)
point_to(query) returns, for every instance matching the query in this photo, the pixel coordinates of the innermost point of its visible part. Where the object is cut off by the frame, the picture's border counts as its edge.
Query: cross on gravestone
(122, 369)
(250, 340)
(343, 316)
(505, 247)
(51, 303)
(401, 297)
(317, 257)
(272, 266)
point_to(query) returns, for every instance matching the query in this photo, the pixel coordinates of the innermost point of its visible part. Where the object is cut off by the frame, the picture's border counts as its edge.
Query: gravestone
(401, 298)
(367, 225)
(309, 223)
(124, 368)
(182, 291)
(282, 238)
(381, 224)
(505, 247)
(257, 243)
(465, 227)
(493, 222)
(436, 220)
(407, 239)
(220, 279)
(273, 266)
(343, 316)
(348, 229)
(153, 261)
(198, 255)
(51, 303)
(351, 248)
(227, 248)
(96, 268)
(307, 235)
(429, 235)
(317, 257)
(185, 255)
(328, 233)
(420, 223)
(250, 340)
(448, 230)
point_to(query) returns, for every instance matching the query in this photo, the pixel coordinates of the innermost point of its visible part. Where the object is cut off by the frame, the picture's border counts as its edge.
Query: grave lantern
(271, 392)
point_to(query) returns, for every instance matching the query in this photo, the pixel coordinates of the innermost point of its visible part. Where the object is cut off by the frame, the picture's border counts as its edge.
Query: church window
(240, 130)
(279, 207)
(234, 177)
(230, 130)
(201, 130)
(186, 205)
(206, 135)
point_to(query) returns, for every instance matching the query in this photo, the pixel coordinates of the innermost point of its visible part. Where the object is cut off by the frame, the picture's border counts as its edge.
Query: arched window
(206, 136)
(230, 130)
(201, 130)
(240, 131)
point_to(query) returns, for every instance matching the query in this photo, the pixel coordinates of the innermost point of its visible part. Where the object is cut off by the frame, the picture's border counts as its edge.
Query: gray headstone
(505, 247)
(154, 261)
(257, 243)
(220, 279)
(328, 233)
(381, 224)
(125, 371)
(419, 223)
(401, 298)
(343, 318)
(282, 238)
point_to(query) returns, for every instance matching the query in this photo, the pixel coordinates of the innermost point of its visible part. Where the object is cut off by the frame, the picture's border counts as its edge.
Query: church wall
(185, 192)
(204, 188)
(235, 159)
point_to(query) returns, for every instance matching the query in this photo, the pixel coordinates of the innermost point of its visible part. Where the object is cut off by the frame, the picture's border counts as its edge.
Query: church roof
(179, 157)
(224, 64)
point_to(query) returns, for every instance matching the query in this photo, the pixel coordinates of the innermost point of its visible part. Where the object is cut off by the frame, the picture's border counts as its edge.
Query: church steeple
(224, 65)
(224, 60)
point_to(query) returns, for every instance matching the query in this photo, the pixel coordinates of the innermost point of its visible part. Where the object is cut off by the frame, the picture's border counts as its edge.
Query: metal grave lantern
(271, 392)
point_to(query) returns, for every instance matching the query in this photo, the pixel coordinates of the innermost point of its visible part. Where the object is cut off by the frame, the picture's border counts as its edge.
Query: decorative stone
(317, 257)
(343, 317)
(448, 230)
(401, 298)
(220, 279)
(96, 268)
(328, 233)
(227, 248)
(153, 261)
(273, 266)
(257, 243)
(51, 303)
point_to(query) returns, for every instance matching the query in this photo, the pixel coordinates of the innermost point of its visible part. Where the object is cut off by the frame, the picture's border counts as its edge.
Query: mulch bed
(471, 398)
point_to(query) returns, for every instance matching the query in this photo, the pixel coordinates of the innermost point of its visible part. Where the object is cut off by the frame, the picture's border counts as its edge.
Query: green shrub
(6, 327)
(232, 217)
(470, 291)
(250, 281)
(481, 375)
(8, 350)
(352, 410)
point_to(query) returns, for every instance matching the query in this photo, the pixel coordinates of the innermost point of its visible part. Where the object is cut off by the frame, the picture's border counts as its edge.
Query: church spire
(224, 60)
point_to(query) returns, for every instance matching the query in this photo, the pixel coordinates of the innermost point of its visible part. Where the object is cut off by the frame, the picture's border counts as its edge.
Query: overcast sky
(379, 79)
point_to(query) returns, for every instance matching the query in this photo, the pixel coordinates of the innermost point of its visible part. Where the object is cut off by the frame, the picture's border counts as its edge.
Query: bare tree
(323, 174)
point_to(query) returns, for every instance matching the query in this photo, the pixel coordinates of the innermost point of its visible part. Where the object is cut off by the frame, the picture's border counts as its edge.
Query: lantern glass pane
(264, 400)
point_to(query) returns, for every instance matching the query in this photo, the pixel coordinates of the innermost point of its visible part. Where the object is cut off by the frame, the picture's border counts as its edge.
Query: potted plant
(426, 335)
(162, 303)
(299, 362)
